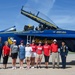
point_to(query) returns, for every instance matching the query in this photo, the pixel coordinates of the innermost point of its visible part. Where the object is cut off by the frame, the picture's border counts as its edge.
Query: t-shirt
(54, 47)
(14, 48)
(46, 49)
(28, 51)
(33, 47)
(6, 50)
(39, 49)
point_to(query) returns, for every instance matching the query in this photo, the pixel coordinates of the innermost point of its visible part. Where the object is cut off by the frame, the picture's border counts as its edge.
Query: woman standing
(46, 49)
(5, 52)
(33, 45)
(39, 54)
(21, 53)
(14, 53)
(28, 51)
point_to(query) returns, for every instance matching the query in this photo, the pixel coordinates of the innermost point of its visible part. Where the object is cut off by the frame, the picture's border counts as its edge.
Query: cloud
(43, 6)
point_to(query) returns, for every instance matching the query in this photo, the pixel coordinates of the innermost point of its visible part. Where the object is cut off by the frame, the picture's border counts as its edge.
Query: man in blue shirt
(63, 53)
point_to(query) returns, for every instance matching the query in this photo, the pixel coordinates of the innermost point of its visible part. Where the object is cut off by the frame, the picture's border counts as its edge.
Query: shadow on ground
(68, 63)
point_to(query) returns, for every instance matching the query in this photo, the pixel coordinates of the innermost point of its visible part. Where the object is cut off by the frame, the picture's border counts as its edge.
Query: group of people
(33, 54)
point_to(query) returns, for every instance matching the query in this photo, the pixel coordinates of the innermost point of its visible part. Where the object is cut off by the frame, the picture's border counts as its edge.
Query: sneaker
(4, 68)
(32, 67)
(13, 68)
(28, 67)
(39, 66)
(46, 67)
(22, 67)
(53, 67)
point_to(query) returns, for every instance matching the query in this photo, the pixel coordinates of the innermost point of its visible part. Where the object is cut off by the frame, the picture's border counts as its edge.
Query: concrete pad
(70, 70)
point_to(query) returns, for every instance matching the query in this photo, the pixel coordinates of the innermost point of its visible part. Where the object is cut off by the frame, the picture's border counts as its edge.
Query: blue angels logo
(43, 40)
(10, 40)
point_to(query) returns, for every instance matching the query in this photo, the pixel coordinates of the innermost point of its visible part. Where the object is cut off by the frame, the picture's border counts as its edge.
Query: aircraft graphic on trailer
(50, 31)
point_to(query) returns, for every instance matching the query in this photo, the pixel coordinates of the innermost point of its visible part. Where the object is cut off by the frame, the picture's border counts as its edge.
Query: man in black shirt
(63, 53)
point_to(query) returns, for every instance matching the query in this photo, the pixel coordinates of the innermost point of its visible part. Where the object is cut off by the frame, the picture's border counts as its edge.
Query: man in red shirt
(33, 45)
(39, 54)
(55, 54)
(46, 49)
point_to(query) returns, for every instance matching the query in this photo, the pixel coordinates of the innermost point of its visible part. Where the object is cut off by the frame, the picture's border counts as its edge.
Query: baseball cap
(14, 40)
(27, 43)
(54, 40)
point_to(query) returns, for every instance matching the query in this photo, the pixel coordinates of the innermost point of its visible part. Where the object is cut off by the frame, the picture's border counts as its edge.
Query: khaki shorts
(33, 54)
(28, 58)
(39, 55)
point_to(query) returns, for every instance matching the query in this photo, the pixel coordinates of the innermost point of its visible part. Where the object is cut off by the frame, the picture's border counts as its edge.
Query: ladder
(29, 39)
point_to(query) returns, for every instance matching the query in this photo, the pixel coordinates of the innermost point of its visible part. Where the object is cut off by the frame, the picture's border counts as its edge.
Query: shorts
(5, 59)
(39, 55)
(46, 58)
(14, 55)
(28, 58)
(33, 54)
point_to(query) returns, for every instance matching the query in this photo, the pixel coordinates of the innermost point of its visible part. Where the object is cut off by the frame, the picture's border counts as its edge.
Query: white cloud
(41, 5)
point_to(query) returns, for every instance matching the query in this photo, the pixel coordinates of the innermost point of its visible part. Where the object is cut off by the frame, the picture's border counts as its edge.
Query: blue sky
(61, 12)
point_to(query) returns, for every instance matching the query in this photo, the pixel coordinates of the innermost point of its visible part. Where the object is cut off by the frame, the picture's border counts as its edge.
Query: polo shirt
(54, 47)
(46, 49)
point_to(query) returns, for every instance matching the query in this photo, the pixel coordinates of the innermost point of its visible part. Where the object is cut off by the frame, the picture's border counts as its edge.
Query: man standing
(55, 54)
(63, 53)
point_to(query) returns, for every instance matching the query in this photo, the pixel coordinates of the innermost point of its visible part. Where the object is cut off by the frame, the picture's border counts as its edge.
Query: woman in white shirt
(28, 53)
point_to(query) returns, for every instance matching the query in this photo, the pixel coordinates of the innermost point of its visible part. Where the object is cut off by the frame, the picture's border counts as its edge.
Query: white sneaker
(21, 68)
(13, 68)
(32, 67)
(28, 67)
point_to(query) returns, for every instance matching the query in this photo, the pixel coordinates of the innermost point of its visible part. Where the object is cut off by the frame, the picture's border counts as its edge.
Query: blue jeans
(63, 58)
